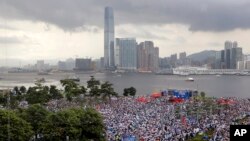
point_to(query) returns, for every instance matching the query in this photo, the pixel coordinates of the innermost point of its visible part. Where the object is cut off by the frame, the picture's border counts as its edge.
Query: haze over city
(32, 30)
(124, 70)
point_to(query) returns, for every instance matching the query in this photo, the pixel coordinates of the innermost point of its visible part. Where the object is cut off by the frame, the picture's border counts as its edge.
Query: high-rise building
(149, 53)
(67, 65)
(102, 63)
(156, 59)
(40, 66)
(244, 64)
(182, 59)
(164, 62)
(227, 58)
(183, 56)
(109, 42)
(83, 64)
(227, 53)
(217, 63)
(173, 60)
(247, 65)
(62, 65)
(228, 45)
(236, 55)
(235, 44)
(241, 65)
(223, 62)
(127, 53)
(140, 56)
(231, 55)
(148, 56)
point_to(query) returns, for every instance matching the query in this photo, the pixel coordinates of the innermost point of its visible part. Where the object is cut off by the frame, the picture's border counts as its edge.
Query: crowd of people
(56, 105)
(161, 120)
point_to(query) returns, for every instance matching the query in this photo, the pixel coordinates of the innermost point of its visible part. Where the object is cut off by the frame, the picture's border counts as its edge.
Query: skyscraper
(109, 44)
(140, 56)
(173, 60)
(228, 47)
(236, 56)
(83, 64)
(232, 54)
(183, 56)
(147, 56)
(127, 53)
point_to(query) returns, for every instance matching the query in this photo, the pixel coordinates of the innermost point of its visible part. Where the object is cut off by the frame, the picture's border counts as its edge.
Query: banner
(129, 138)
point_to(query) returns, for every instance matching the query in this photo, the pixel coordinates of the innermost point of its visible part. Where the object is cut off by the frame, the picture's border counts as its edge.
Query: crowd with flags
(147, 118)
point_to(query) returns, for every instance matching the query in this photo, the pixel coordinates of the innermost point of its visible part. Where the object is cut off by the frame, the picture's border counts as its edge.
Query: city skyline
(37, 34)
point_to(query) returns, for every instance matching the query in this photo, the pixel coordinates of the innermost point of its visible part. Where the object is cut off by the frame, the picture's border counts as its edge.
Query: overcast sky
(59, 29)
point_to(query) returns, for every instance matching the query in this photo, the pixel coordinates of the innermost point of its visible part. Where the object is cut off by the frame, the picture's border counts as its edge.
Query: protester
(160, 119)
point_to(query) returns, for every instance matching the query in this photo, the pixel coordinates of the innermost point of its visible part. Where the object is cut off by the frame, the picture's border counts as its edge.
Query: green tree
(16, 94)
(93, 85)
(203, 95)
(129, 91)
(125, 92)
(19, 129)
(78, 124)
(55, 93)
(23, 89)
(2, 99)
(72, 89)
(38, 94)
(107, 91)
(36, 116)
(13, 99)
(132, 91)
(91, 125)
(16, 91)
(62, 124)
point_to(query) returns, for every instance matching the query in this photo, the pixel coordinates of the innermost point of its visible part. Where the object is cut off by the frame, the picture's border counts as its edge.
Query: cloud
(7, 27)
(215, 44)
(142, 33)
(10, 40)
(206, 15)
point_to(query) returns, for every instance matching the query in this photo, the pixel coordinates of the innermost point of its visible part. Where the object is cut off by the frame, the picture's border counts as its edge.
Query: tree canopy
(72, 89)
(129, 91)
(74, 123)
(36, 115)
(94, 86)
(107, 91)
(19, 129)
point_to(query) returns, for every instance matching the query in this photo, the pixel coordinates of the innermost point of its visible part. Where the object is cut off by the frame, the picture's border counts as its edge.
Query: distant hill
(203, 55)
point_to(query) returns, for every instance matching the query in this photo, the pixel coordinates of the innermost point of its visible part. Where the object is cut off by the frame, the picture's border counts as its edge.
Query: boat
(218, 75)
(190, 79)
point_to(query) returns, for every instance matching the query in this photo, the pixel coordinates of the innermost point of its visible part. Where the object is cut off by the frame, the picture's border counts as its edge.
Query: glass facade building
(109, 33)
(127, 53)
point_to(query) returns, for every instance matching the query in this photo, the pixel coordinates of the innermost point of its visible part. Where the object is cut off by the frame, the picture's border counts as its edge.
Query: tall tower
(109, 44)
(227, 53)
